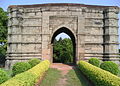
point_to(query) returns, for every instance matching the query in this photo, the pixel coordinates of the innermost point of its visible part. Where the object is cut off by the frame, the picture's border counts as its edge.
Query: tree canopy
(3, 35)
(63, 50)
(3, 26)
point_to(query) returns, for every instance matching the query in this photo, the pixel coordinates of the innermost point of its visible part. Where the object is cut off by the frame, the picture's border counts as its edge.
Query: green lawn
(51, 77)
(76, 78)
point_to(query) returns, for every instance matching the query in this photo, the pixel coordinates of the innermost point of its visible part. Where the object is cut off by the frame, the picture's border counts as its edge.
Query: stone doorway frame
(71, 35)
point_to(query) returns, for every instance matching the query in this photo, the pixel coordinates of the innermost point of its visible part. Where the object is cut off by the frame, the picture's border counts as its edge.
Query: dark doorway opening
(66, 56)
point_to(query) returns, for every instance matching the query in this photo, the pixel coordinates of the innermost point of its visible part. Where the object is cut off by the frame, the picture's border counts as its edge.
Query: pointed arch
(70, 34)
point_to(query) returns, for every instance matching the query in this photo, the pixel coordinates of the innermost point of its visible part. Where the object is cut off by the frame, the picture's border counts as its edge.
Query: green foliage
(63, 50)
(3, 35)
(3, 76)
(34, 62)
(20, 67)
(3, 26)
(23, 79)
(28, 78)
(2, 53)
(94, 61)
(9, 72)
(97, 75)
(110, 66)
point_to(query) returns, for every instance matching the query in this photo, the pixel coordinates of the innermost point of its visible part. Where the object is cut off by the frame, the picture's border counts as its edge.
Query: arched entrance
(71, 35)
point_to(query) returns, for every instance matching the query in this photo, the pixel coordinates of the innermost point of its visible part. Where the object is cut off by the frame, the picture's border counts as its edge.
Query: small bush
(29, 77)
(94, 61)
(98, 76)
(34, 62)
(20, 67)
(110, 66)
(3, 76)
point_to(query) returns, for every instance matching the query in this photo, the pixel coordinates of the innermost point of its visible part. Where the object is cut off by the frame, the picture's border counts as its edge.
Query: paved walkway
(64, 70)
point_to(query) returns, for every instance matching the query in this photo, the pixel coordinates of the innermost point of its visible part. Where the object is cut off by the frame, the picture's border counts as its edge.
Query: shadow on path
(84, 81)
(71, 75)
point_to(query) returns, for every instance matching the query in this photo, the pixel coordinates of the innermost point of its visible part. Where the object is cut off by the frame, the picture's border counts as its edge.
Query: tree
(3, 34)
(3, 26)
(63, 50)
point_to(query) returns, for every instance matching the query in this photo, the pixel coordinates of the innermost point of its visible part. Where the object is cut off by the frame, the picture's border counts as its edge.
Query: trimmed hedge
(20, 67)
(28, 78)
(34, 62)
(3, 76)
(94, 61)
(98, 76)
(110, 66)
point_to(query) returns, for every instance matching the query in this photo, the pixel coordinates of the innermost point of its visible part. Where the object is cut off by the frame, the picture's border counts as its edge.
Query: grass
(51, 77)
(76, 78)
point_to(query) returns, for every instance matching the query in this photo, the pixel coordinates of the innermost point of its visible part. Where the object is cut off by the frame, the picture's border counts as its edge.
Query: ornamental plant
(29, 77)
(3, 76)
(94, 61)
(34, 62)
(20, 67)
(110, 66)
(98, 76)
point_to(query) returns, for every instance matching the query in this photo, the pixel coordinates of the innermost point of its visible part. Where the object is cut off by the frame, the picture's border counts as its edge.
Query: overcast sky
(5, 3)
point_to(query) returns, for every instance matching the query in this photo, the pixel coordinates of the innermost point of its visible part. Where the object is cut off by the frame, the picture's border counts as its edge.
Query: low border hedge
(98, 76)
(28, 78)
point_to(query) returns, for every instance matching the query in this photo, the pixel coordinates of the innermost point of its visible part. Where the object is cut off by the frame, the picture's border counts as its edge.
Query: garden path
(64, 70)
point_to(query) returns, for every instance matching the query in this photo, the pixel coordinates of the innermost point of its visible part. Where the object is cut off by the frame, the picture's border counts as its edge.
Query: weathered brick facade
(94, 30)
